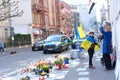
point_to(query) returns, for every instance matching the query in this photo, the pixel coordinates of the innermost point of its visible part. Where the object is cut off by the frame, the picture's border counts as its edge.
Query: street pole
(13, 52)
(12, 33)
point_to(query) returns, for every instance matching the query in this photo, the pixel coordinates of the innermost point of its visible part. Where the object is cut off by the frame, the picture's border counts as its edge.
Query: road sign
(11, 29)
(12, 38)
(12, 33)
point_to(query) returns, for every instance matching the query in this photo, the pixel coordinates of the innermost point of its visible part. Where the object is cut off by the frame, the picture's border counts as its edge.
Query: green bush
(19, 40)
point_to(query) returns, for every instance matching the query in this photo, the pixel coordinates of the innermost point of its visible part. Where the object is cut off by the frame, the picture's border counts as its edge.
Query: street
(11, 63)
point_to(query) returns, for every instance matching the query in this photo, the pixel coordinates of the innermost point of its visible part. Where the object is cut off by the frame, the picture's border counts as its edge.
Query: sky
(98, 2)
(98, 5)
(75, 1)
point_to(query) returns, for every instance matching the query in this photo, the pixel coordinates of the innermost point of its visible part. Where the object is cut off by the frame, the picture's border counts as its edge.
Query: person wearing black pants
(91, 53)
(91, 49)
(107, 61)
(107, 40)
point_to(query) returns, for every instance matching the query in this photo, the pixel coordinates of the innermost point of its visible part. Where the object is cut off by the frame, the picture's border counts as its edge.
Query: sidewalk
(82, 72)
(7, 51)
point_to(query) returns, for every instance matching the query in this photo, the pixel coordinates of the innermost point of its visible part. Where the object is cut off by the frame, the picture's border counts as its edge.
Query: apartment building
(50, 17)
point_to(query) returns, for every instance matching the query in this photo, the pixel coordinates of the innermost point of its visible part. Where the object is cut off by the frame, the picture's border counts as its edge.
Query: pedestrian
(89, 44)
(1, 47)
(106, 31)
(91, 49)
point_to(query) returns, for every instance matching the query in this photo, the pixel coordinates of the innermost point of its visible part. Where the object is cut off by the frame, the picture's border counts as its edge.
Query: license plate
(50, 49)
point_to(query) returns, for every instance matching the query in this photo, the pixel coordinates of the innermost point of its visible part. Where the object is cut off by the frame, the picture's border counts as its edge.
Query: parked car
(56, 43)
(1, 47)
(38, 46)
(77, 41)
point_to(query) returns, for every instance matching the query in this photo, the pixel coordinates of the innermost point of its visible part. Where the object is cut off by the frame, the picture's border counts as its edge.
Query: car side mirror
(70, 40)
(62, 40)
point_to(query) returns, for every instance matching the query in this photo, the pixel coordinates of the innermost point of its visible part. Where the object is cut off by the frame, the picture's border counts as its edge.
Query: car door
(63, 42)
(66, 42)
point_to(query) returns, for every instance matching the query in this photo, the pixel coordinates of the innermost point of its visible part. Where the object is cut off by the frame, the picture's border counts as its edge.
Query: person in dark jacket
(106, 31)
(90, 37)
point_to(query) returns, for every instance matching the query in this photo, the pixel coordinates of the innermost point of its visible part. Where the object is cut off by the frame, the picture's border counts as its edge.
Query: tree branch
(10, 13)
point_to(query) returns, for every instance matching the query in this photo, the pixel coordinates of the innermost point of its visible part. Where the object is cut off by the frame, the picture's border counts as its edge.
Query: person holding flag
(90, 45)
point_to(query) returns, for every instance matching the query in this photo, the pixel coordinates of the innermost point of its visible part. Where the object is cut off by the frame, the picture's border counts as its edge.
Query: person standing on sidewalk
(91, 49)
(106, 31)
(90, 45)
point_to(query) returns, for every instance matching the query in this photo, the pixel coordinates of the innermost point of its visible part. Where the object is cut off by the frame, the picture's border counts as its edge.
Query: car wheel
(42, 48)
(67, 47)
(60, 50)
(45, 52)
(35, 49)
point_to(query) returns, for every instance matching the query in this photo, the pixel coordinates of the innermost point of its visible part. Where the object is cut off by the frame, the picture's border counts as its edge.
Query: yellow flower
(43, 73)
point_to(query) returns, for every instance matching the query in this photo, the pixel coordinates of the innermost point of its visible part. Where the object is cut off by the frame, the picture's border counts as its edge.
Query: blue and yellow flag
(79, 32)
(86, 45)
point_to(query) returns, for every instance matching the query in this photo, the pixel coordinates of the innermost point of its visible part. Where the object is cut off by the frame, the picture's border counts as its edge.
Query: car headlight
(58, 43)
(44, 45)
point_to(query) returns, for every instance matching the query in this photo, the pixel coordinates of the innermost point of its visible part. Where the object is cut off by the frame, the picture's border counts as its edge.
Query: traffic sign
(12, 38)
(12, 33)
(11, 29)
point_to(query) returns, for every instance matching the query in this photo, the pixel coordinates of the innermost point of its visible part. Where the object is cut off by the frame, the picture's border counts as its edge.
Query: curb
(9, 49)
(18, 47)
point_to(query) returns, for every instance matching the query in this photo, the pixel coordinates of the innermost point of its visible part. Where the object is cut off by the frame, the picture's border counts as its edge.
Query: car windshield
(53, 38)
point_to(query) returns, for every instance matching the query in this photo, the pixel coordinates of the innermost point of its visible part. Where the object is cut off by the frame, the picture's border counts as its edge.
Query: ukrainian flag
(79, 32)
(86, 45)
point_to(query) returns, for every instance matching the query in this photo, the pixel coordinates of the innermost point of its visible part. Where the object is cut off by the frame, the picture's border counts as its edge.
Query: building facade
(114, 7)
(39, 12)
(66, 18)
(4, 24)
(50, 17)
(44, 18)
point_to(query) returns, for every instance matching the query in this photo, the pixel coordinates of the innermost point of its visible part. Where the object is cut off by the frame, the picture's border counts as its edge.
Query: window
(46, 19)
(42, 21)
(40, 2)
(53, 21)
(62, 39)
(38, 18)
(45, 4)
(35, 18)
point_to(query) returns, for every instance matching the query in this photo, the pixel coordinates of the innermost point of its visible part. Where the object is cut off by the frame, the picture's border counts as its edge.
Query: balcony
(37, 7)
(63, 16)
(36, 25)
(46, 9)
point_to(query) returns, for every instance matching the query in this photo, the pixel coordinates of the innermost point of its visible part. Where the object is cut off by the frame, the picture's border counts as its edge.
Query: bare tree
(4, 15)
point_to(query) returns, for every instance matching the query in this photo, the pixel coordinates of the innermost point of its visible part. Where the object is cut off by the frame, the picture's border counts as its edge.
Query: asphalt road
(25, 56)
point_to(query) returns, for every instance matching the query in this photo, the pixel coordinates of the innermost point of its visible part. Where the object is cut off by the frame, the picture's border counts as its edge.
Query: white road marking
(81, 69)
(83, 78)
(83, 73)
